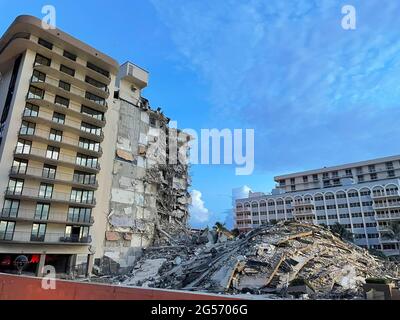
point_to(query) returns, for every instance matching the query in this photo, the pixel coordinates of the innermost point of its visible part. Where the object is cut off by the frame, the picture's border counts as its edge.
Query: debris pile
(287, 259)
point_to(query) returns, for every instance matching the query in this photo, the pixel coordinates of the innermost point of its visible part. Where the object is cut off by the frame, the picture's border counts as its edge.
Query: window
(42, 60)
(64, 85)
(82, 196)
(67, 70)
(59, 118)
(391, 173)
(359, 170)
(305, 178)
(360, 178)
(92, 113)
(7, 230)
(349, 173)
(329, 197)
(45, 190)
(27, 128)
(98, 69)
(69, 55)
(371, 168)
(49, 171)
(89, 144)
(35, 93)
(373, 176)
(38, 76)
(89, 128)
(31, 110)
(365, 193)
(153, 123)
(42, 211)
(335, 174)
(389, 165)
(15, 186)
(84, 178)
(77, 234)
(45, 43)
(10, 208)
(292, 181)
(353, 194)
(327, 183)
(55, 135)
(315, 177)
(79, 214)
(325, 175)
(94, 98)
(23, 146)
(282, 183)
(318, 198)
(52, 153)
(19, 166)
(86, 161)
(61, 101)
(293, 188)
(336, 182)
(96, 83)
(38, 232)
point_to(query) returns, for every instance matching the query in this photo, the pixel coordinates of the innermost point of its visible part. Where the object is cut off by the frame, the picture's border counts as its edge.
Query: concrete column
(71, 264)
(89, 264)
(40, 266)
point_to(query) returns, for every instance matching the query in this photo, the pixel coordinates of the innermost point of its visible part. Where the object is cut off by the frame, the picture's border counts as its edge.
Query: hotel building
(363, 197)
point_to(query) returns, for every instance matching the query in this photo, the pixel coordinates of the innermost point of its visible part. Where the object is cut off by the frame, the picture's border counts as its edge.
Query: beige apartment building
(58, 145)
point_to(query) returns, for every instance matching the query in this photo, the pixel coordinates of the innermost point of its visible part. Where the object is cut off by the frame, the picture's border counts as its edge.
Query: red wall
(14, 287)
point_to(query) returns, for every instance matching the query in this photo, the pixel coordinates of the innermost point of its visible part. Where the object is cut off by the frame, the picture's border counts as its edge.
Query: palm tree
(219, 227)
(393, 233)
(342, 231)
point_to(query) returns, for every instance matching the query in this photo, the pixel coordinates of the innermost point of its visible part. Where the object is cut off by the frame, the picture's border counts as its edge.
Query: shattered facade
(285, 260)
(149, 196)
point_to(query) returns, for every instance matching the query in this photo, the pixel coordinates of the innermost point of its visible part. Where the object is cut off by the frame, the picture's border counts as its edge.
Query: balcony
(63, 140)
(303, 213)
(391, 194)
(48, 238)
(12, 214)
(391, 205)
(392, 216)
(58, 177)
(134, 74)
(46, 117)
(305, 203)
(51, 84)
(48, 196)
(56, 159)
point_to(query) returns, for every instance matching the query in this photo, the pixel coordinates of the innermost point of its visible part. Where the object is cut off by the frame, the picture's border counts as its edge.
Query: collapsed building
(274, 261)
(149, 190)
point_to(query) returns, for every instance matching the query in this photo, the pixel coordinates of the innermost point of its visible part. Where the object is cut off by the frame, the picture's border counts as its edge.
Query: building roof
(33, 25)
(339, 167)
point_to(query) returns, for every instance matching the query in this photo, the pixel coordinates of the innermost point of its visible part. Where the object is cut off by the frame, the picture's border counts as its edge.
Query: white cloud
(198, 212)
(240, 193)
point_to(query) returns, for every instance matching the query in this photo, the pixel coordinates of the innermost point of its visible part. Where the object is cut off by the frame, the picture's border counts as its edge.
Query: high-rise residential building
(363, 197)
(74, 134)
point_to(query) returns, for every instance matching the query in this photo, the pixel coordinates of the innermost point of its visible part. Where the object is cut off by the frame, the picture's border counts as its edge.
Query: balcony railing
(67, 124)
(54, 238)
(65, 177)
(52, 216)
(43, 153)
(48, 195)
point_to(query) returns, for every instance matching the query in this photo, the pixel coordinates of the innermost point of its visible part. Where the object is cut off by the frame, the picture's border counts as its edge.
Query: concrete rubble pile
(267, 260)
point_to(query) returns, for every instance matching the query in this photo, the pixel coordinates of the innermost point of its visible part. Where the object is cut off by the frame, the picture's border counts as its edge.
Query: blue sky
(315, 94)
